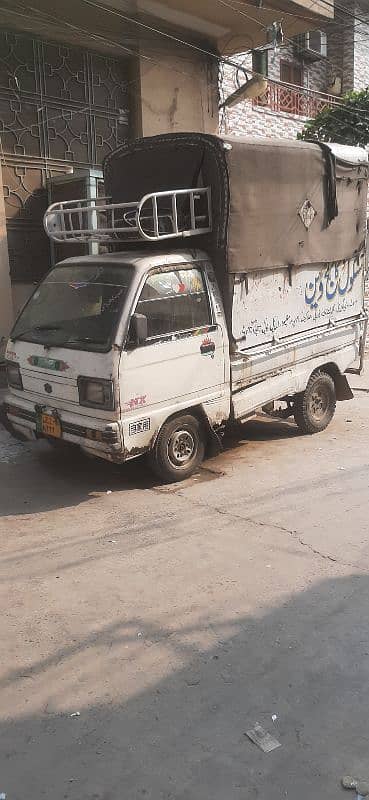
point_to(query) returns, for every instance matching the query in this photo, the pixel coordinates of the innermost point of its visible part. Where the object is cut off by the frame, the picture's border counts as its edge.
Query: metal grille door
(60, 108)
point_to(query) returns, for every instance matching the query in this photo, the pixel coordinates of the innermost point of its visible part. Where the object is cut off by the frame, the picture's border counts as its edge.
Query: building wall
(87, 99)
(62, 109)
(314, 73)
(361, 49)
(178, 91)
(247, 119)
(347, 59)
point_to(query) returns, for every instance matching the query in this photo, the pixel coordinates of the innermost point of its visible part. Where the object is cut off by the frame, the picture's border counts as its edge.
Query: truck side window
(174, 301)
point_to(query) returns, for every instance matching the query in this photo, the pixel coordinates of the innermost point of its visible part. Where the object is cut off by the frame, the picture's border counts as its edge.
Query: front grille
(111, 437)
(22, 413)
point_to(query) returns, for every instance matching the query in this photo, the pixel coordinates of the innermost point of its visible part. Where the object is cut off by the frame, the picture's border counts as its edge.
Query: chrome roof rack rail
(160, 215)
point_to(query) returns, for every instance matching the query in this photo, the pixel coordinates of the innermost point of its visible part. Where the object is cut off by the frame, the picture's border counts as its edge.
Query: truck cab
(110, 348)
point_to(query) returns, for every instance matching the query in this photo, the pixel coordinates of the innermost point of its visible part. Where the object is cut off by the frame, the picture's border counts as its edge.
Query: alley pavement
(146, 628)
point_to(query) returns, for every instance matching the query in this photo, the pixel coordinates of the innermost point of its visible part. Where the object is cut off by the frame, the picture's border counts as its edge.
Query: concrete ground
(145, 629)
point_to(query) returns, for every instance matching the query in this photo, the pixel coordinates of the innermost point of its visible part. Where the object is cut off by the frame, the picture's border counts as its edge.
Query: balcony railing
(293, 100)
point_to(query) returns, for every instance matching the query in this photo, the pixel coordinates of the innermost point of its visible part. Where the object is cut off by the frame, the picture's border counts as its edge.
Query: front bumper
(96, 436)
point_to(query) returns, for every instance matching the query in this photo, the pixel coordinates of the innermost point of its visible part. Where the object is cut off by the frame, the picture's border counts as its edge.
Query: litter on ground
(262, 738)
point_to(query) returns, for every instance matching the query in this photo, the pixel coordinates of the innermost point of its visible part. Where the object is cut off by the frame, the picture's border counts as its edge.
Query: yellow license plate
(51, 426)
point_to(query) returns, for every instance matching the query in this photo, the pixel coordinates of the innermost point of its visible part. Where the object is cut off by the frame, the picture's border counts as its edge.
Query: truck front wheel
(179, 449)
(315, 407)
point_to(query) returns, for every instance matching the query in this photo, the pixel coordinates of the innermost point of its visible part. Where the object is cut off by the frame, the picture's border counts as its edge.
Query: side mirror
(138, 329)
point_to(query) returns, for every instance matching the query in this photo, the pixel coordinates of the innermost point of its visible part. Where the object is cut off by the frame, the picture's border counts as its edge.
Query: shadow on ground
(49, 479)
(183, 737)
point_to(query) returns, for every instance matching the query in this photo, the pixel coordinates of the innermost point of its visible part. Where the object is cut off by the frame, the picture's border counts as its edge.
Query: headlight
(96, 393)
(13, 375)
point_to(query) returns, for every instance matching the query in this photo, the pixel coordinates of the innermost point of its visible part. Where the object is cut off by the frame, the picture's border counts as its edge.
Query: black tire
(315, 407)
(179, 449)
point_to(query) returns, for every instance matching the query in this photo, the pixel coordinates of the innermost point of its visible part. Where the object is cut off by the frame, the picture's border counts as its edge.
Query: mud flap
(343, 389)
(214, 445)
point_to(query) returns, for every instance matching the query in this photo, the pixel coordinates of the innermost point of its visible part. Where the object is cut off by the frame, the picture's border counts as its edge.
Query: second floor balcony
(289, 99)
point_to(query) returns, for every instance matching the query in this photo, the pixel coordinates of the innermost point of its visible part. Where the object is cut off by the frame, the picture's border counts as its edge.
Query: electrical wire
(359, 112)
(104, 40)
(322, 27)
(209, 53)
(158, 31)
(221, 60)
(343, 10)
(127, 18)
(336, 23)
(262, 25)
(364, 111)
(264, 7)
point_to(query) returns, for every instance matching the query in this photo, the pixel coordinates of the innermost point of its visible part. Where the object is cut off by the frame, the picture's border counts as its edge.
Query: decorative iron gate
(61, 108)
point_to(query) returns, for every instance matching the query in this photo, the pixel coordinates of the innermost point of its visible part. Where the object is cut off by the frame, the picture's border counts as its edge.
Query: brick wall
(361, 49)
(348, 58)
(248, 119)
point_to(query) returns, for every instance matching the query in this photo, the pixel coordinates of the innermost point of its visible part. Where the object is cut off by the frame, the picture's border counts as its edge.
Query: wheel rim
(319, 402)
(181, 447)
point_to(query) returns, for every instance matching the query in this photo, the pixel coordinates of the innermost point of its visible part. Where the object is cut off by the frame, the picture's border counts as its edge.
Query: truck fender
(341, 384)
(214, 441)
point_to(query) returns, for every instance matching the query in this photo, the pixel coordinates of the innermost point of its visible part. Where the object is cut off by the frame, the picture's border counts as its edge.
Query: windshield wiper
(81, 339)
(36, 328)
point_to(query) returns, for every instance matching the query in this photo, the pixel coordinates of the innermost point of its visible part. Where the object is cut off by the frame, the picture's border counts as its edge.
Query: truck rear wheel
(179, 449)
(315, 407)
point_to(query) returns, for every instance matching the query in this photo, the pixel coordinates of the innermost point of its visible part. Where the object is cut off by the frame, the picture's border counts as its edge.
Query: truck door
(182, 362)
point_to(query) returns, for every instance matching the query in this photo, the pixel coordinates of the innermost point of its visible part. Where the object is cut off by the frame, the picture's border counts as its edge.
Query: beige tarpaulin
(278, 205)
(271, 199)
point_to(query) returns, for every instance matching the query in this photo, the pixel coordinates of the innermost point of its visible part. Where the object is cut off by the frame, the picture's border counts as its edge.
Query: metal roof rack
(157, 216)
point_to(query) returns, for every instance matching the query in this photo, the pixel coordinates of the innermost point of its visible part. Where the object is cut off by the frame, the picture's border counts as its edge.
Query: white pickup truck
(152, 348)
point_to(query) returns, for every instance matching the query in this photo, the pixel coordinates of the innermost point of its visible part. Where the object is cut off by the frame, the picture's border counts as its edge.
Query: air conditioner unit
(311, 46)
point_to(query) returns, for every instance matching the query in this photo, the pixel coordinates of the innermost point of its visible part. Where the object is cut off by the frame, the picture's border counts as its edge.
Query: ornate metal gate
(61, 108)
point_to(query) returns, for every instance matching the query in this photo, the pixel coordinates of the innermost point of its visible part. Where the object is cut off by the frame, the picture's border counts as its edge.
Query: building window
(317, 42)
(260, 62)
(290, 72)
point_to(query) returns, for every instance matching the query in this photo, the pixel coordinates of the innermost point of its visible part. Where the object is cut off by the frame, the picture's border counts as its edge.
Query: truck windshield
(76, 306)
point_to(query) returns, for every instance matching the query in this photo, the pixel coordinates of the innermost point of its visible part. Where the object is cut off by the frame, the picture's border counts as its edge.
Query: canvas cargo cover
(274, 202)
(273, 184)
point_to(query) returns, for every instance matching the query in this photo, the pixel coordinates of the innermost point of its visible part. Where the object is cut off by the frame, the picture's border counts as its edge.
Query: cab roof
(140, 260)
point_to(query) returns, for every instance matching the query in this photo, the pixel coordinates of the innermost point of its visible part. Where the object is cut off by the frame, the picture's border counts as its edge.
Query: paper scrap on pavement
(263, 739)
